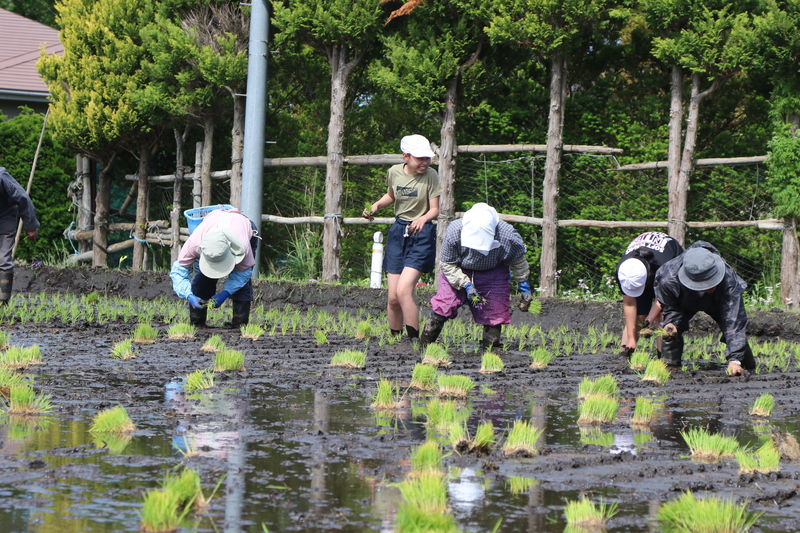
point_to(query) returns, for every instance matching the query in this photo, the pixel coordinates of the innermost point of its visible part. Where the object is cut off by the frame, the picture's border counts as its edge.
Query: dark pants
(204, 287)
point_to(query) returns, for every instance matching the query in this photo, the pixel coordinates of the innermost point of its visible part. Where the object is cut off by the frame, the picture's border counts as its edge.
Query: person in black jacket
(13, 201)
(636, 272)
(701, 280)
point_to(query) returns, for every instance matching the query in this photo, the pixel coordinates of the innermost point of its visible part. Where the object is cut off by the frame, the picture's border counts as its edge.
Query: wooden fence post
(197, 185)
(790, 264)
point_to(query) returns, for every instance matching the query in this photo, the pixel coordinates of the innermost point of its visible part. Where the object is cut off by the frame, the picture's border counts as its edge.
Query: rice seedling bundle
(363, 330)
(763, 405)
(656, 371)
(186, 487)
(766, 459)
(459, 438)
(424, 507)
(21, 356)
(228, 360)
(423, 377)
(349, 359)
(707, 447)
(522, 438)
(442, 414)
(597, 409)
(123, 350)
(520, 485)
(436, 355)
(5, 340)
(23, 401)
(484, 438)
(454, 385)
(251, 331)
(687, 514)
(604, 387)
(145, 334)
(639, 360)
(643, 412)
(426, 459)
(199, 380)
(112, 420)
(9, 378)
(491, 363)
(181, 331)
(213, 344)
(159, 511)
(387, 396)
(586, 514)
(541, 357)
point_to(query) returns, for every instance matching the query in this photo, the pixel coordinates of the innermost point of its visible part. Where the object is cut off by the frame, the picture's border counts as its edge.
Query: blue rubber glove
(525, 287)
(471, 290)
(194, 301)
(218, 299)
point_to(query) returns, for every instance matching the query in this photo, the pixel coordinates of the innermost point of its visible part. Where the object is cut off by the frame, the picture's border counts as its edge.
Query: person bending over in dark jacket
(700, 280)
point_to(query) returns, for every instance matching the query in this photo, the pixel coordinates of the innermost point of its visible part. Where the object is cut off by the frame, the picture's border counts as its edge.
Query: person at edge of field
(476, 255)
(701, 280)
(636, 272)
(221, 245)
(413, 188)
(13, 201)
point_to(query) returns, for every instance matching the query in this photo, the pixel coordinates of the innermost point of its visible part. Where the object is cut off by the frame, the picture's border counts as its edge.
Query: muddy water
(296, 447)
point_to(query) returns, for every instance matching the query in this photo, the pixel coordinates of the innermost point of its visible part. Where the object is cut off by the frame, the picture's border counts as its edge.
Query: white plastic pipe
(376, 271)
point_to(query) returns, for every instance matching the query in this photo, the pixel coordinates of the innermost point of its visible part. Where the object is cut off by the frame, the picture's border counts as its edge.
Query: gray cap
(701, 270)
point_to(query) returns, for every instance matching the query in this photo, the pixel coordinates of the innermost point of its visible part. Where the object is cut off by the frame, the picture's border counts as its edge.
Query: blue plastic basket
(195, 216)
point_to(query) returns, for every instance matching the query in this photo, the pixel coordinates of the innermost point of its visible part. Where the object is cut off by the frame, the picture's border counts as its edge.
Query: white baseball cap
(632, 276)
(416, 145)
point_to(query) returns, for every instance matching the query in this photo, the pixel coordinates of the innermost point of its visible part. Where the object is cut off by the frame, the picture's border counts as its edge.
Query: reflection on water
(281, 470)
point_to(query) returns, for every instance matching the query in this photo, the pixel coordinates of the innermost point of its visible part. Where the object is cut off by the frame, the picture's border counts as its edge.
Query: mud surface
(339, 457)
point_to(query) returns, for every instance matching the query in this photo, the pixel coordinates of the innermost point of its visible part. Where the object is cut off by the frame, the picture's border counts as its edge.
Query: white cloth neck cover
(479, 226)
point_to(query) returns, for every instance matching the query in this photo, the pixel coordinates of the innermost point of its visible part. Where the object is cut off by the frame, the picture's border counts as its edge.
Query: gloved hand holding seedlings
(526, 297)
(669, 331)
(195, 302)
(218, 299)
(475, 299)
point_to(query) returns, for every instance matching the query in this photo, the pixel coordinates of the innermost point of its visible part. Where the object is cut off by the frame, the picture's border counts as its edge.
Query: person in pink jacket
(222, 245)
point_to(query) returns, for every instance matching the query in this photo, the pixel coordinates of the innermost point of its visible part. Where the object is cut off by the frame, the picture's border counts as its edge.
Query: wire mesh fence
(589, 189)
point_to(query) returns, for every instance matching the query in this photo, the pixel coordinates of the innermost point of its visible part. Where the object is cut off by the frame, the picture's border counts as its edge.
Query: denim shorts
(415, 251)
(645, 301)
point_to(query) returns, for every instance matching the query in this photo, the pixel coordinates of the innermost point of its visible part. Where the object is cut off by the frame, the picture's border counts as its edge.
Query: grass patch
(586, 514)
(387, 396)
(602, 387)
(199, 380)
(491, 363)
(214, 344)
(251, 331)
(456, 385)
(541, 357)
(766, 459)
(707, 447)
(181, 331)
(229, 360)
(321, 337)
(763, 405)
(597, 409)
(123, 350)
(423, 377)
(643, 412)
(5, 340)
(23, 401)
(349, 359)
(522, 439)
(435, 355)
(656, 371)
(687, 514)
(112, 420)
(21, 356)
(145, 334)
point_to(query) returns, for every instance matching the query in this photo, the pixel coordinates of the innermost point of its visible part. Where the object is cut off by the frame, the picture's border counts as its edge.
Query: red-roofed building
(21, 41)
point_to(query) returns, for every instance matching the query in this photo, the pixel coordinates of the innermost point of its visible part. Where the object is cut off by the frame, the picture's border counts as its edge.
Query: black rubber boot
(413, 333)
(6, 283)
(197, 317)
(396, 332)
(491, 337)
(433, 327)
(748, 361)
(672, 350)
(241, 313)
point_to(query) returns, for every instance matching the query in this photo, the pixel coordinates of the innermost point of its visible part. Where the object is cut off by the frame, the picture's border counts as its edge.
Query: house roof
(21, 40)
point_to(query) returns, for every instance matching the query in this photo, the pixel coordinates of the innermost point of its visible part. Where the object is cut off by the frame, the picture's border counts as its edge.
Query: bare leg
(402, 308)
